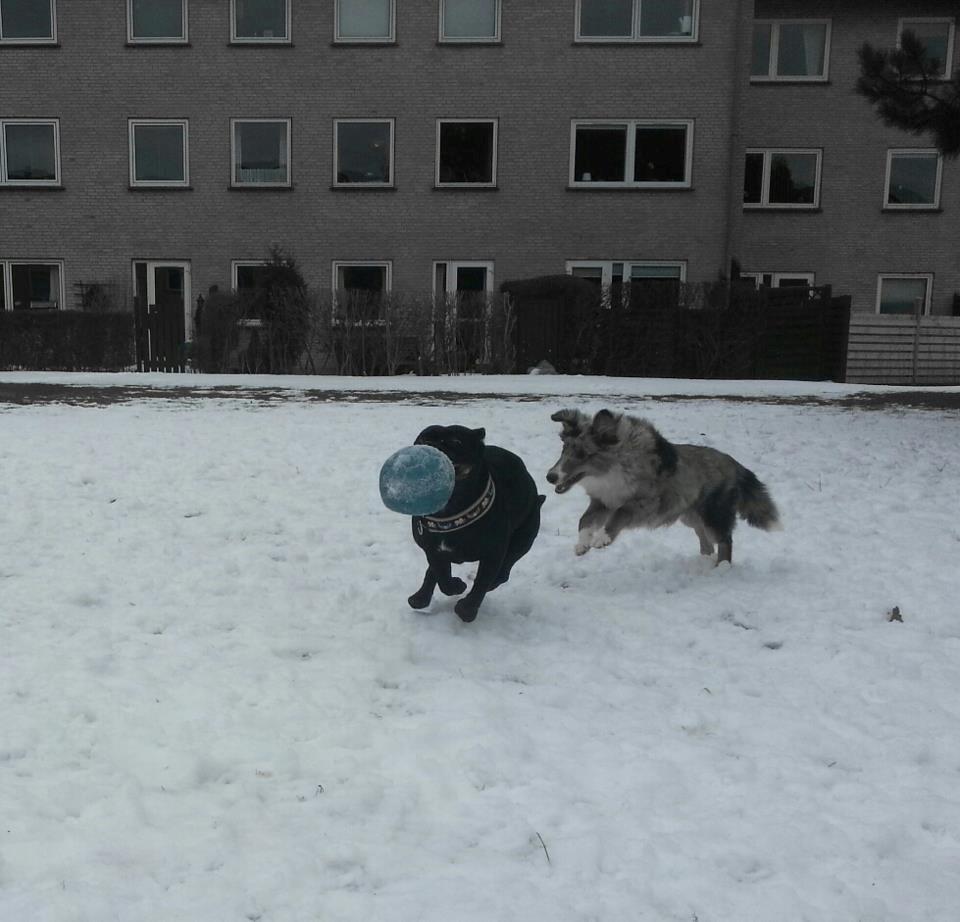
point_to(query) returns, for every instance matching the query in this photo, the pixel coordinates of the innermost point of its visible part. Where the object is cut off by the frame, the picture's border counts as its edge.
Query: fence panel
(903, 349)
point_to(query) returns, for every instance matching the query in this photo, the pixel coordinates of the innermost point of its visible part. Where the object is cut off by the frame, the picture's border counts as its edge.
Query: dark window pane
(364, 19)
(761, 50)
(362, 278)
(261, 152)
(753, 179)
(601, 154)
(26, 19)
(466, 152)
(469, 18)
(660, 154)
(606, 18)
(913, 179)
(666, 17)
(801, 49)
(793, 179)
(935, 37)
(249, 277)
(902, 296)
(35, 286)
(158, 19)
(261, 18)
(363, 152)
(31, 152)
(158, 153)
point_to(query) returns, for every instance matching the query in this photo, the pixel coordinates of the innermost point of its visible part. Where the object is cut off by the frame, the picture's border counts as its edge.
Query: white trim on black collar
(473, 513)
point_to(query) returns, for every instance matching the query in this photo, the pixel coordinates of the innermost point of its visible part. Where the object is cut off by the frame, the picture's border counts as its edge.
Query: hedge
(66, 341)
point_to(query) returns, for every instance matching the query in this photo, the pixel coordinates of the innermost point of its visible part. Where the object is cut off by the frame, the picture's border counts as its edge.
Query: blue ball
(416, 480)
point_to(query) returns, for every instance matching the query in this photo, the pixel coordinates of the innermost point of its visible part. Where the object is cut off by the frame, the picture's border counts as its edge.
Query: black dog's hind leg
(486, 579)
(520, 542)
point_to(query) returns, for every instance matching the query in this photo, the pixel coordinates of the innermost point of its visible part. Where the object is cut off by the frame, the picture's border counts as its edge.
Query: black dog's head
(463, 446)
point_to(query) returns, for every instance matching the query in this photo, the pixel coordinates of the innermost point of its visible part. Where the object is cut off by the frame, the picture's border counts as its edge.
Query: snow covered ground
(215, 703)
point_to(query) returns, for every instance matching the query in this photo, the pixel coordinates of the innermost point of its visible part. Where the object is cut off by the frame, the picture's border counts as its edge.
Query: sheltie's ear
(480, 433)
(604, 428)
(570, 420)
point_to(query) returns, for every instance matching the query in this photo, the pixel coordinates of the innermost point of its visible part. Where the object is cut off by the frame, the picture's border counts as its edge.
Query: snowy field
(216, 705)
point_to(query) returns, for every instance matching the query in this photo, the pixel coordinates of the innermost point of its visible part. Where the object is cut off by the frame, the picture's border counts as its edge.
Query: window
(156, 21)
(779, 279)
(465, 278)
(466, 152)
(913, 179)
(791, 50)
(638, 153)
(31, 285)
(261, 152)
(28, 21)
(260, 20)
(363, 152)
(158, 153)
(29, 152)
(359, 288)
(936, 35)
(247, 273)
(613, 272)
(782, 179)
(469, 20)
(637, 20)
(364, 20)
(904, 294)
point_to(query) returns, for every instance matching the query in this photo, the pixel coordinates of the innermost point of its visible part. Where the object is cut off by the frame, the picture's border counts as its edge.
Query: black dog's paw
(466, 610)
(420, 600)
(455, 586)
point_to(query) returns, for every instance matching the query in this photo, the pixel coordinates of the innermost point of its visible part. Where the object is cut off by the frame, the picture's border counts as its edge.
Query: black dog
(493, 517)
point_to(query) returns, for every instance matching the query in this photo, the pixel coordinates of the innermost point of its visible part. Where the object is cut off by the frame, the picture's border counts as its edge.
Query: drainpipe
(741, 44)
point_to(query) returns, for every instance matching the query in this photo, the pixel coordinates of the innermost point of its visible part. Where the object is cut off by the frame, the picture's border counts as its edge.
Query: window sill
(641, 189)
(164, 43)
(469, 42)
(634, 42)
(277, 188)
(781, 209)
(160, 188)
(361, 187)
(16, 187)
(466, 187)
(18, 43)
(790, 81)
(922, 209)
(365, 43)
(260, 43)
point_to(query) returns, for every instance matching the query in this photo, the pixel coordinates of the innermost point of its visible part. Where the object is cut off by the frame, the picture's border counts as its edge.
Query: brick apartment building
(431, 145)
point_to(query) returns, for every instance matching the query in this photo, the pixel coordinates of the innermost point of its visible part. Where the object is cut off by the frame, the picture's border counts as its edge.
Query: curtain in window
(261, 152)
(469, 18)
(31, 152)
(801, 49)
(364, 18)
(157, 19)
(26, 19)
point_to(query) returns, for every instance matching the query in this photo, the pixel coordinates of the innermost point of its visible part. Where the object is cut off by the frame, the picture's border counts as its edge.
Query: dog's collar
(471, 514)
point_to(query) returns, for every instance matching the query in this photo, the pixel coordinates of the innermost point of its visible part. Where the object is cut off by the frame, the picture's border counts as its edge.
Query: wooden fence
(903, 349)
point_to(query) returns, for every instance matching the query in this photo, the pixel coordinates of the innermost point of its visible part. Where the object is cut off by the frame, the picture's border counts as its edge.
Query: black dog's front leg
(438, 574)
(487, 573)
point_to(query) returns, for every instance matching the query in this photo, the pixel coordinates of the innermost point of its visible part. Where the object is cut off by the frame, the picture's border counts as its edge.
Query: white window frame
(776, 277)
(364, 39)
(44, 40)
(29, 183)
(606, 267)
(768, 153)
(135, 183)
(451, 269)
(164, 40)
(951, 24)
(6, 278)
(631, 124)
(464, 39)
(493, 166)
(928, 297)
(385, 264)
(635, 36)
(391, 183)
(260, 39)
(772, 76)
(237, 264)
(912, 206)
(237, 184)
